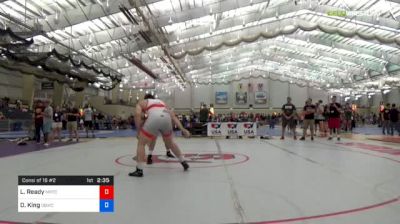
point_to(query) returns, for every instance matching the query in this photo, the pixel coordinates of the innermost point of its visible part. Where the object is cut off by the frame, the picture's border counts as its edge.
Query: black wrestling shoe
(302, 138)
(185, 165)
(312, 138)
(169, 154)
(338, 138)
(149, 159)
(137, 173)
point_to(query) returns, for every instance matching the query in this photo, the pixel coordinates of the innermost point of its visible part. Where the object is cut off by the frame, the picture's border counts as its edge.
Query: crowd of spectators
(7, 103)
(309, 116)
(12, 109)
(331, 117)
(51, 121)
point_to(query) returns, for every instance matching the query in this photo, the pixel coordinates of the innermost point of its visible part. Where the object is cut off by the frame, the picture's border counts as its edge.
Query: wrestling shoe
(149, 159)
(185, 165)
(137, 173)
(169, 154)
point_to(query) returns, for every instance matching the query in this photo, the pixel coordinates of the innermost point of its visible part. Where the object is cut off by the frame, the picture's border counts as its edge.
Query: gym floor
(230, 181)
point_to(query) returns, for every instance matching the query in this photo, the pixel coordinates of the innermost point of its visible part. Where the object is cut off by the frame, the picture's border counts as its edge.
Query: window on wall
(103, 93)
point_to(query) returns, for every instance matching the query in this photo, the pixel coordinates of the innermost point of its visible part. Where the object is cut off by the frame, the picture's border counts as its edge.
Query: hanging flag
(260, 86)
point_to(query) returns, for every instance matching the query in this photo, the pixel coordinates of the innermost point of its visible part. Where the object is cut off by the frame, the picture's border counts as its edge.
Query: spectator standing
(88, 120)
(335, 110)
(64, 121)
(2, 104)
(38, 117)
(363, 120)
(100, 120)
(288, 116)
(309, 112)
(380, 112)
(326, 116)
(374, 119)
(57, 123)
(272, 121)
(386, 119)
(394, 120)
(204, 114)
(348, 114)
(47, 123)
(319, 118)
(72, 122)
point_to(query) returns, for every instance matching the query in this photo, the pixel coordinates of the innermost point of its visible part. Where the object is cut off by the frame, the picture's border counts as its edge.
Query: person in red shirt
(335, 110)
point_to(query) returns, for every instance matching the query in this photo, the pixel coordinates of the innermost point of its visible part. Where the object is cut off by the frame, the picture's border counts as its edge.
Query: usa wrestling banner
(247, 129)
(215, 129)
(231, 129)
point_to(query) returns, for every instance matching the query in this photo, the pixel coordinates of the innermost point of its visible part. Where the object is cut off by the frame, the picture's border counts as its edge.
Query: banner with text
(231, 129)
(214, 129)
(247, 129)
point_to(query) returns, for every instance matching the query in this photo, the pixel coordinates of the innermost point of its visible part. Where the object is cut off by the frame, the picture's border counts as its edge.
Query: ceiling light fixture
(386, 91)
(57, 15)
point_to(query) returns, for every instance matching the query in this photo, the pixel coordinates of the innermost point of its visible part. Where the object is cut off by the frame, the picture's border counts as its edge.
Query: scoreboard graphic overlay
(66, 194)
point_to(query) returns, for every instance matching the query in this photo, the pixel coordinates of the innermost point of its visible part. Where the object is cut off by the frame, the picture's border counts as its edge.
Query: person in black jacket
(288, 117)
(394, 119)
(38, 118)
(204, 112)
(386, 119)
